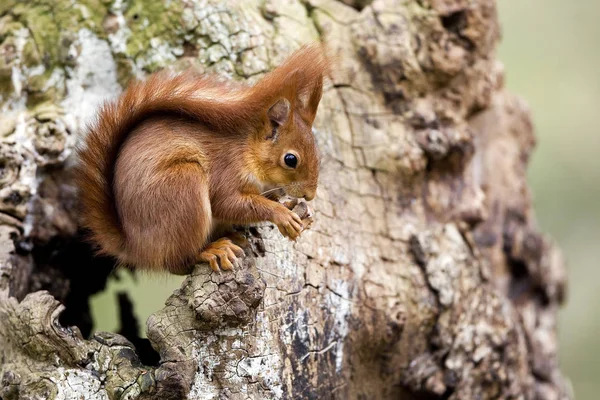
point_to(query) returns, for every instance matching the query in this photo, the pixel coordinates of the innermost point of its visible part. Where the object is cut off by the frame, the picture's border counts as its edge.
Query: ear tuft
(279, 112)
(315, 97)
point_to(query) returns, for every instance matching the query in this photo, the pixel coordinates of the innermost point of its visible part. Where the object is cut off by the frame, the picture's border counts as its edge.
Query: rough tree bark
(423, 277)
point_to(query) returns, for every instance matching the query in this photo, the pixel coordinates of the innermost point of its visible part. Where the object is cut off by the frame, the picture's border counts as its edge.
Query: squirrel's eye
(290, 160)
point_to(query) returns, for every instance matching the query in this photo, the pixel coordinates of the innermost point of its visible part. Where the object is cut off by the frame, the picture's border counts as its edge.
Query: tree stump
(423, 276)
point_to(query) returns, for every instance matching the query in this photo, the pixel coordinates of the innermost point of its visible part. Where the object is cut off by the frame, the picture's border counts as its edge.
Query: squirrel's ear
(279, 112)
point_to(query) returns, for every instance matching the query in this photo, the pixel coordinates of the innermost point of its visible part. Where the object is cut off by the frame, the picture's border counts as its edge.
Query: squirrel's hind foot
(221, 254)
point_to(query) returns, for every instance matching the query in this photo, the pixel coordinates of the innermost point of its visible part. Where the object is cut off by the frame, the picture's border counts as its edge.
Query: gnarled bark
(423, 276)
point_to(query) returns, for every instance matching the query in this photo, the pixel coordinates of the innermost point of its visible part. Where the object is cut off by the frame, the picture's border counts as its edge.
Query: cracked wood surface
(423, 275)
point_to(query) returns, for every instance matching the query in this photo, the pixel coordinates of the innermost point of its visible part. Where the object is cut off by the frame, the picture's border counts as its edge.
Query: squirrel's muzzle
(309, 194)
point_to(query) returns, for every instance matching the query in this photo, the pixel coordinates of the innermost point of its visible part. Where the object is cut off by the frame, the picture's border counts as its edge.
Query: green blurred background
(550, 49)
(551, 52)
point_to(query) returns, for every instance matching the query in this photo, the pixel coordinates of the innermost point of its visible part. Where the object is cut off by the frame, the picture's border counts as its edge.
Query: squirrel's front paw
(288, 222)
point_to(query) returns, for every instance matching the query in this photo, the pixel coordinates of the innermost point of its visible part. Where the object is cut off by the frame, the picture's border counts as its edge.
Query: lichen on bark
(423, 276)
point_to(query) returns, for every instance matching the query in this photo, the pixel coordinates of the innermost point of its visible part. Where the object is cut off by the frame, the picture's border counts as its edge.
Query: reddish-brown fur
(178, 155)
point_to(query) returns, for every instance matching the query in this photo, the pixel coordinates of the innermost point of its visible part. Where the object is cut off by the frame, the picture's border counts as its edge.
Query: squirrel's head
(285, 148)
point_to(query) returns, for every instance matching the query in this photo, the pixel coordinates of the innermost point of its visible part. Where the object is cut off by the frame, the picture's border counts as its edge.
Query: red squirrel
(177, 157)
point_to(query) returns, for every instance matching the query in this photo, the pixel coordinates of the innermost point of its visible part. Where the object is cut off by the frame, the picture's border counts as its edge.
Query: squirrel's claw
(223, 250)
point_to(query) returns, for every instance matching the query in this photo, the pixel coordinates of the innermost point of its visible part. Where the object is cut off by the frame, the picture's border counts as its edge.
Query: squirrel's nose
(308, 196)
